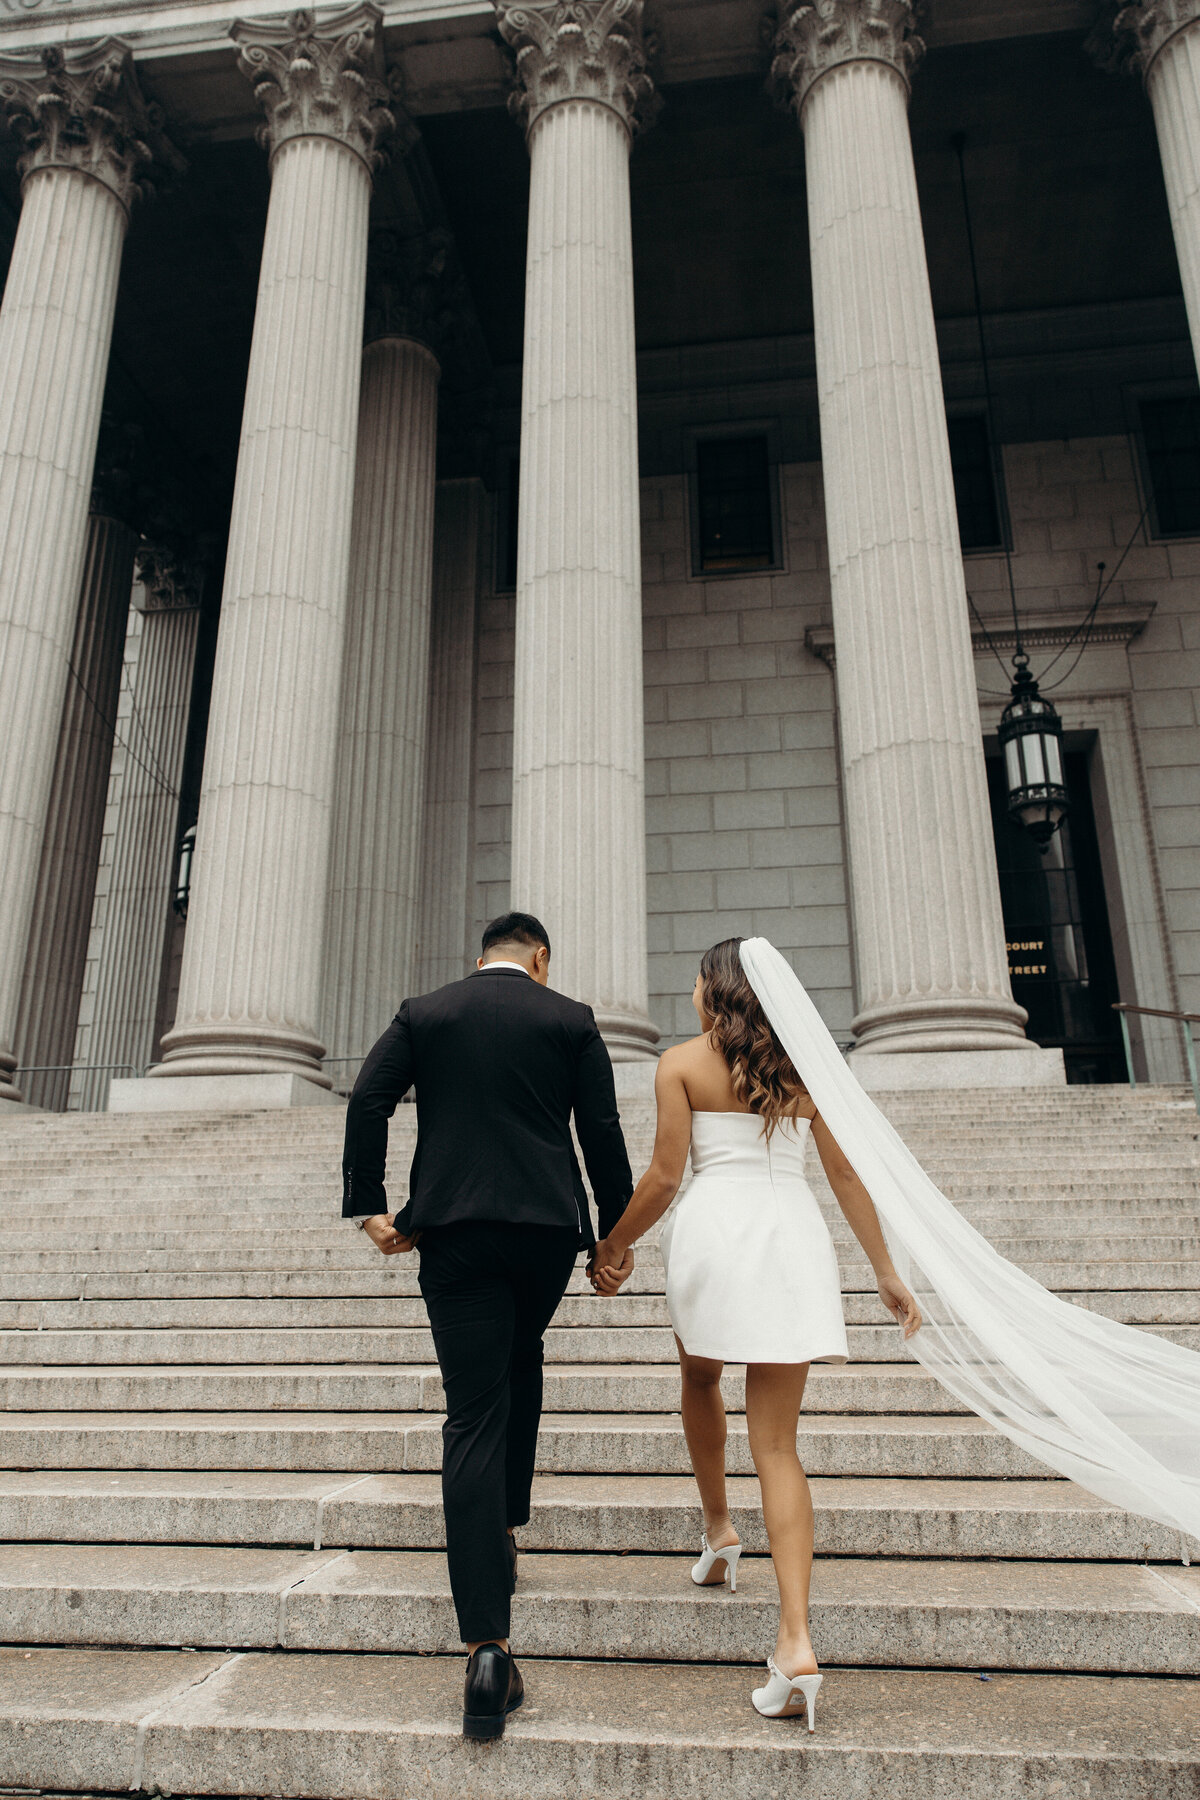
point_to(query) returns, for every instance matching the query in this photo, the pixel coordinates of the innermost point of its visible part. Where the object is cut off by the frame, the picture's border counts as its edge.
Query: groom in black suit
(499, 1062)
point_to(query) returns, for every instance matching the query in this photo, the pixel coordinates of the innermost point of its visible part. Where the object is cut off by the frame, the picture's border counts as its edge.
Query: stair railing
(1185, 1020)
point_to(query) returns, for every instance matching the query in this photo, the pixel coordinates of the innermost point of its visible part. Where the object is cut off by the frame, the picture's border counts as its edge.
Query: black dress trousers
(490, 1290)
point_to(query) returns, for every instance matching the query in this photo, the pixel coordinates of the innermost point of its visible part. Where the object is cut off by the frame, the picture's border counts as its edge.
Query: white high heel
(786, 1695)
(728, 1554)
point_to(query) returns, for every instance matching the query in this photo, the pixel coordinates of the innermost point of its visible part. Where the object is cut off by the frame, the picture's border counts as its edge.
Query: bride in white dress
(752, 1277)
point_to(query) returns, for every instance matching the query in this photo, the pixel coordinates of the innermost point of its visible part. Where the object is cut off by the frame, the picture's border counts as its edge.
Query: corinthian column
(929, 936)
(1162, 40)
(87, 140)
(579, 856)
(250, 984)
(374, 875)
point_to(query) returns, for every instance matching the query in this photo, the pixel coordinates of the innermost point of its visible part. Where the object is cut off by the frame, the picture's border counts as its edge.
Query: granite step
(617, 1344)
(949, 1447)
(872, 1388)
(385, 1298)
(386, 1728)
(615, 1514)
(1105, 1618)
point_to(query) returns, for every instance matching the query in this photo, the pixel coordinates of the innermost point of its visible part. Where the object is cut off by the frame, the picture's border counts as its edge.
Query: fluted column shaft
(251, 975)
(1173, 84)
(578, 855)
(375, 868)
(58, 939)
(929, 935)
(128, 941)
(446, 839)
(55, 332)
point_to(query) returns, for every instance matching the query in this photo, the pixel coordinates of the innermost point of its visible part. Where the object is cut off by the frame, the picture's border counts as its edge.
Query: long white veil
(1114, 1408)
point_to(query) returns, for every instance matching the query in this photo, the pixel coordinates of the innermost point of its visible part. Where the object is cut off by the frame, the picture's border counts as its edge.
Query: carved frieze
(578, 50)
(319, 79)
(819, 35)
(84, 110)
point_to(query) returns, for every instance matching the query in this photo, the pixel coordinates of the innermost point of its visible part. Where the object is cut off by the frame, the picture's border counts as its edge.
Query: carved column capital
(171, 581)
(1140, 30)
(84, 110)
(414, 288)
(319, 79)
(578, 50)
(819, 35)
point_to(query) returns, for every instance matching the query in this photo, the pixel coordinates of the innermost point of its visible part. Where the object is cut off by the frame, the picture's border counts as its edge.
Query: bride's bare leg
(773, 1395)
(704, 1428)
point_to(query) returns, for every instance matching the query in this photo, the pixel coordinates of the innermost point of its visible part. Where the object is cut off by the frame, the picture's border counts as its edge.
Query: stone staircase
(220, 1533)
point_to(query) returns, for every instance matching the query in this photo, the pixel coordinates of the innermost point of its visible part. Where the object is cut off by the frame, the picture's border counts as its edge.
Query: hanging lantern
(183, 879)
(1031, 738)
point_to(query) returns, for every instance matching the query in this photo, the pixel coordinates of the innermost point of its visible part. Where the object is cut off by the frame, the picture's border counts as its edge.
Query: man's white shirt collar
(498, 964)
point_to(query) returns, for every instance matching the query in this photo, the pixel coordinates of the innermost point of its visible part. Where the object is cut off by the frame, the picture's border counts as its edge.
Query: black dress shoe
(512, 1555)
(492, 1690)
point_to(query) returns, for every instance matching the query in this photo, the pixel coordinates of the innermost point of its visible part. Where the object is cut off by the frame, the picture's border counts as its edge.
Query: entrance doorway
(1060, 954)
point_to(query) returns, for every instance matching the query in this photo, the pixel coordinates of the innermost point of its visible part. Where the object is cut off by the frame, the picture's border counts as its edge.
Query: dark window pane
(1171, 435)
(974, 483)
(733, 479)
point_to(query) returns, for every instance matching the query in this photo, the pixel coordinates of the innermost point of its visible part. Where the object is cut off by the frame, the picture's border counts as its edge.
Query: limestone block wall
(1072, 504)
(743, 819)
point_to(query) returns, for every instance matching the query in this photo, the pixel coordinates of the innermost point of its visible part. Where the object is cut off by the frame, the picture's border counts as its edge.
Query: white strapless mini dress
(752, 1274)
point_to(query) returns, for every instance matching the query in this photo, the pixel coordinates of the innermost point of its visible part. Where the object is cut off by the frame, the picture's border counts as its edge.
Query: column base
(635, 1080)
(13, 1107)
(883, 1071)
(629, 1036)
(217, 1093)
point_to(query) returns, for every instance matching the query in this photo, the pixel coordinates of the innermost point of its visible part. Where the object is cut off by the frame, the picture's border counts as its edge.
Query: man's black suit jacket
(499, 1064)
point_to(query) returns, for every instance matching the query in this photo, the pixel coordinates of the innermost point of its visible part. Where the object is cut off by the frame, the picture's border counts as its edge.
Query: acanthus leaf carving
(578, 50)
(85, 110)
(319, 79)
(819, 35)
(1131, 35)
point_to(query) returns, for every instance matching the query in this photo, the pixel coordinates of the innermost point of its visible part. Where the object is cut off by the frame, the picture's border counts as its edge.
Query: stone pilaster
(442, 950)
(374, 879)
(250, 985)
(88, 139)
(578, 856)
(136, 881)
(929, 937)
(62, 912)
(1162, 39)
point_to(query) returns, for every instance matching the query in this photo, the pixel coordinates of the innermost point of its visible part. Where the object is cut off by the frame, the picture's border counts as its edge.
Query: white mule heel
(709, 1559)
(786, 1695)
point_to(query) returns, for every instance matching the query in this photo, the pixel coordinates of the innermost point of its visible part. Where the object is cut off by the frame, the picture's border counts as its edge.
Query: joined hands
(608, 1269)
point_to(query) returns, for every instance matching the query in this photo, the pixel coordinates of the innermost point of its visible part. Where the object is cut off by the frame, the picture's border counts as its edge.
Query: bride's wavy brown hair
(763, 1076)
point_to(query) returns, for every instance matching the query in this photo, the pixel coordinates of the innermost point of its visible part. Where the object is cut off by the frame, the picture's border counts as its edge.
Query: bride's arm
(658, 1186)
(859, 1209)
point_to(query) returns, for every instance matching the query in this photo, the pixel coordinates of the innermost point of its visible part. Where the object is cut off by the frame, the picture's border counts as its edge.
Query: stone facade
(430, 702)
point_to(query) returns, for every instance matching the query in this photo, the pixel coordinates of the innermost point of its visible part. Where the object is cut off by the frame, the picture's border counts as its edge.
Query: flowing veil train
(1114, 1408)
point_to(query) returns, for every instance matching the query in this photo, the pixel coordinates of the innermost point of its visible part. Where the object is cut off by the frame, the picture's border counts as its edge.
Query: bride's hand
(900, 1303)
(606, 1271)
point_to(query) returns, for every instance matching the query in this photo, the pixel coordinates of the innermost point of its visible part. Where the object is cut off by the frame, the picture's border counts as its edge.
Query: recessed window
(733, 500)
(1171, 443)
(974, 482)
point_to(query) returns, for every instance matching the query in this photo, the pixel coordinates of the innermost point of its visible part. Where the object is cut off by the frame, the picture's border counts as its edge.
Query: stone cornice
(819, 35)
(1039, 631)
(319, 79)
(84, 110)
(1139, 31)
(578, 50)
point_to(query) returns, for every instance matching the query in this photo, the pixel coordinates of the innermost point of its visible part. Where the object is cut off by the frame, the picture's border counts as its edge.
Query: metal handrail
(88, 1089)
(1123, 1008)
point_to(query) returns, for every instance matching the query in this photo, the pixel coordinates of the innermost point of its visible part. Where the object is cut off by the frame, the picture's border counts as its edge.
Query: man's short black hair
(515, 928)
